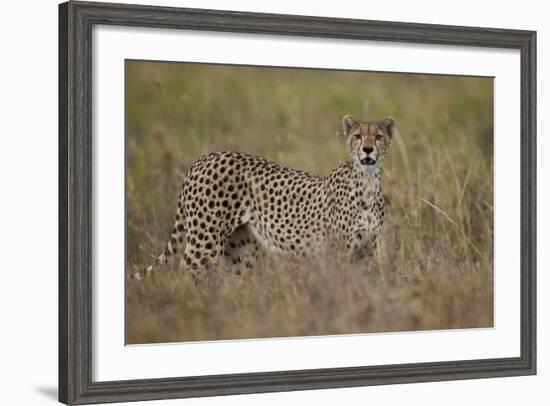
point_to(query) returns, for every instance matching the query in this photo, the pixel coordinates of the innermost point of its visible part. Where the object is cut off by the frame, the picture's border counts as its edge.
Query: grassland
(434, 265)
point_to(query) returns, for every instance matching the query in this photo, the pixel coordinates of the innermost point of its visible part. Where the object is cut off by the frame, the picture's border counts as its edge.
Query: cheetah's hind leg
(241, 250)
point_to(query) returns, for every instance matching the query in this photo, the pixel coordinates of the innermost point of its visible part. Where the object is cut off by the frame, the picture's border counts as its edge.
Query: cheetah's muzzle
(368, 161)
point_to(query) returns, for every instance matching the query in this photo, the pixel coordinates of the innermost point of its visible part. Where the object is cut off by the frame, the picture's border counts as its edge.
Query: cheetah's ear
(348, 122)
(389, 123)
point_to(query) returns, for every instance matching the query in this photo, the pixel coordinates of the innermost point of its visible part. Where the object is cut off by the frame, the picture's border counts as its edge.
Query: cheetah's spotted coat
(235, 205)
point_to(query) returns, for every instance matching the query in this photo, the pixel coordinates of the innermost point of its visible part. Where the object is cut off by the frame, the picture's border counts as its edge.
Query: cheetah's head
(368, 141)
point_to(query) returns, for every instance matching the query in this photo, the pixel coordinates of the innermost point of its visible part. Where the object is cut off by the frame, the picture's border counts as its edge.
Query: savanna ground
(434, 264)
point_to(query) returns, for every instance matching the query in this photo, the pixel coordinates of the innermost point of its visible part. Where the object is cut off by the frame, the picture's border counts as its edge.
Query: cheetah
(233, 206)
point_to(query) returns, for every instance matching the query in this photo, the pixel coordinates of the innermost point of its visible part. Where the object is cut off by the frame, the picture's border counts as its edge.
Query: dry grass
(434, 266)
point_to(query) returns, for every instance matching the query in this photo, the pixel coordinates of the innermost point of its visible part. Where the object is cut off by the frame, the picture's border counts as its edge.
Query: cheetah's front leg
(361, 245)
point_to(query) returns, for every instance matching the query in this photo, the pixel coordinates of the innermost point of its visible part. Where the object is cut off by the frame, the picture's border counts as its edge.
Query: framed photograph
(257, 202)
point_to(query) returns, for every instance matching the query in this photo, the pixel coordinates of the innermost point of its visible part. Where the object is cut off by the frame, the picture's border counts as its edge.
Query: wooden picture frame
(76, 20)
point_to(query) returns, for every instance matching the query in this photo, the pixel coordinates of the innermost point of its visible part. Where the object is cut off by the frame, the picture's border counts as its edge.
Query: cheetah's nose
(368, 150)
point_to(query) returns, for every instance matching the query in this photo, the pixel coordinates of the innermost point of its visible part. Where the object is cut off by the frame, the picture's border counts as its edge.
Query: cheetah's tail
(177, 237)
(175, 240)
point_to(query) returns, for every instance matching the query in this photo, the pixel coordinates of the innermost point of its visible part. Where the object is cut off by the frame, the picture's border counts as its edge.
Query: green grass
(434, 265)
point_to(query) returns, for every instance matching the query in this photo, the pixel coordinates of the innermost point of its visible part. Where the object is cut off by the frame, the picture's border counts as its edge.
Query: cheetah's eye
(378, 137)
(358, 136)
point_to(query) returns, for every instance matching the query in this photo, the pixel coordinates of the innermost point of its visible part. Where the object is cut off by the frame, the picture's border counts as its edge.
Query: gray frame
(76, 20)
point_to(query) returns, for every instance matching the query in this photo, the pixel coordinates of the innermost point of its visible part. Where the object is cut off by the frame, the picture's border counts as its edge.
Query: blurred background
(434, 266)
